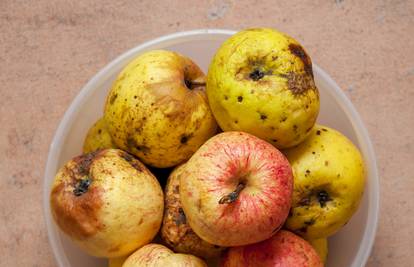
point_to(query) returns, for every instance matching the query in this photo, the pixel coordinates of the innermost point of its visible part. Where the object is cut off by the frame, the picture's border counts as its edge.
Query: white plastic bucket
(351, 246)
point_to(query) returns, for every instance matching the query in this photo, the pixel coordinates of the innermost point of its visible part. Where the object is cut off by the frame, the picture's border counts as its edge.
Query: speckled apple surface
(336, 111)
(50, 50)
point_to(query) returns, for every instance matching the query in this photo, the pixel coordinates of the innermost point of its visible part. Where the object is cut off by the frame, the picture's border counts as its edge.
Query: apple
(98, 137)
(261, 81)
(107, 202)
(236, 190)
(284, 249)
(329, 183)
(175, 230)
(155, 255)
(157, 109)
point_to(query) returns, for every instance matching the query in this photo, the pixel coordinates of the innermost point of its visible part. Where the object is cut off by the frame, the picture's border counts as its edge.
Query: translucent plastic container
(351, 246)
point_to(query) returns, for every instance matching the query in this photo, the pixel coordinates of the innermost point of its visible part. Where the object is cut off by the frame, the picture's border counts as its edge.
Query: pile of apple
(233, 197)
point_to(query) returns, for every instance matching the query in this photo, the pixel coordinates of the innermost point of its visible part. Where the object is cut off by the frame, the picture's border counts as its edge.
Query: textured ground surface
(49, 49)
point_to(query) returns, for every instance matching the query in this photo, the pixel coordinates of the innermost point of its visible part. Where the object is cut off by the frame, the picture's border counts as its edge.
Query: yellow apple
(98, 137)
(329, 179)
(260, 81)
(155, 255)
(107, 202)
(157, 109)
(321, 247)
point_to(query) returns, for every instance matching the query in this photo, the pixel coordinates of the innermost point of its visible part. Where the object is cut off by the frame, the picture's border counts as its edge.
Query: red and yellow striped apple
(284, 249)
(236, 190)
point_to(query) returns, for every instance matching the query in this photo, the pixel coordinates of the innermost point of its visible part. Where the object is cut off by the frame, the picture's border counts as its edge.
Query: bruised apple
(107, 202)
(175, 230)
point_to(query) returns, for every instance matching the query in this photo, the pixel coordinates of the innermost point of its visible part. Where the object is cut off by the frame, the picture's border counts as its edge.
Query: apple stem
(230, 198)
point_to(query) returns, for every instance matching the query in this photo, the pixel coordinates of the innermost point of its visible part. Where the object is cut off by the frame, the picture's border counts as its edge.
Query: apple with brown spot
(284, 249)
(236, 190)
(107, 202)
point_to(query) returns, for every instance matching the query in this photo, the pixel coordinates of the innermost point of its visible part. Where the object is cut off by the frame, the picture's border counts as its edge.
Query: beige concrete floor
(49, 49)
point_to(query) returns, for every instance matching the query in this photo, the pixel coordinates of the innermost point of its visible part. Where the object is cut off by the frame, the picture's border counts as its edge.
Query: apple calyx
(230, 198)
(323, 197)
(256, 75)
(82, 186)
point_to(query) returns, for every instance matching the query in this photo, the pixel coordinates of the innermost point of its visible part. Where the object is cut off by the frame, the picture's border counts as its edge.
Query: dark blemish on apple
(188, 84)
(326, 163)
(274, 140)
(303, 229)
(283, 119)
(256, 75)
(135, 96)
(323, 197)
(181, 218)
(82, 186)
(298, 51)
(252, 91)
(307, 171)
(113, 98)
(263, 117)
(318, 132)
(274, 58)
(299, 83)
(131, 144)
(84, 162)
(313, 152)
(131, 160)
(325, 130)
(310, 222)
(99, 131)
(239, 98)
(236, 121)
(226, 97)
(184, 138)
(176, 189)
(307, 130)
(295, 127)
(125, 99)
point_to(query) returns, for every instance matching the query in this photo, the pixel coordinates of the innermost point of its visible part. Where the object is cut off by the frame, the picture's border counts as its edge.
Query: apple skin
(329, 183)
(230, 162)
(175, 230)
(157, 109)
(107, 202)
(260, 81)
(98, 137)
(155, 255)
(284, 249)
